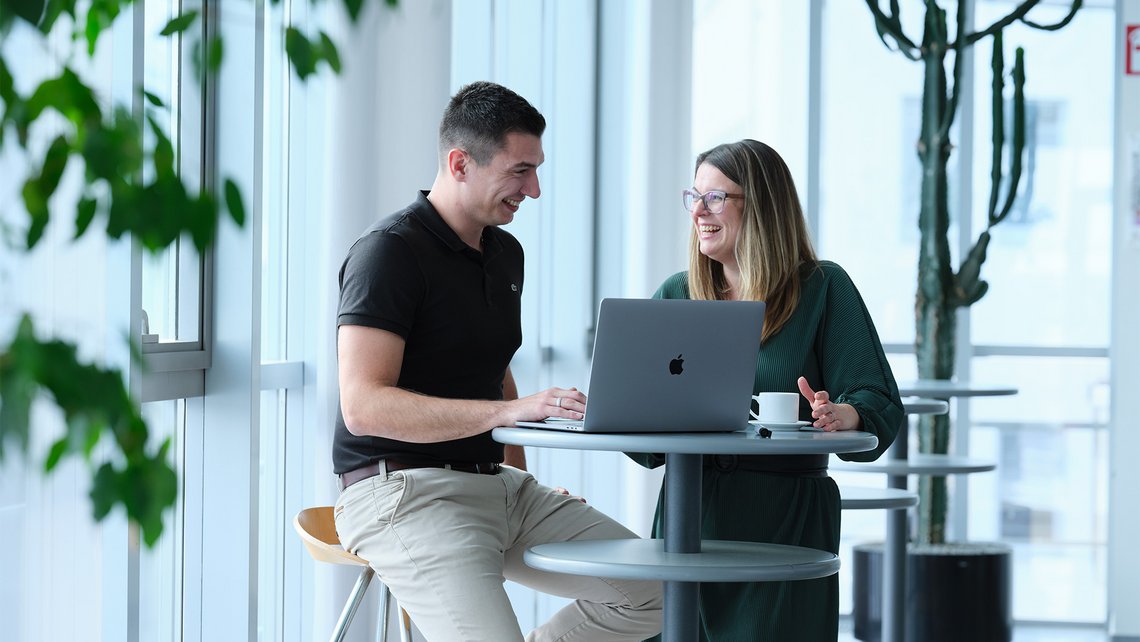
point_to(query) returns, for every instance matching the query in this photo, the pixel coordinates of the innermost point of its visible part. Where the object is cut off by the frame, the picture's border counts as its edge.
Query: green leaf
(113, 151)
(55, 161)
(52, 11)
(179, 24)
(300, 52)
(36, 204)
(353, 8)
(153, 99)
(84, 214)
(163, 150)
(329, 52)
(17, 387)
(7, 85)
(233, 202)
(29, 11)
(214, 61)
(66, 94)
(58, 450)
(96, 22)
(105, 491)
(38, 190)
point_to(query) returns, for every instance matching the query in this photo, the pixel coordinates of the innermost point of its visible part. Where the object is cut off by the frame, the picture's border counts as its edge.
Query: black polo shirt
(457, 309)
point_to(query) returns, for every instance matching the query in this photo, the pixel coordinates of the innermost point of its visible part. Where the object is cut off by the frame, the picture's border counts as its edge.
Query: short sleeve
(381, 284)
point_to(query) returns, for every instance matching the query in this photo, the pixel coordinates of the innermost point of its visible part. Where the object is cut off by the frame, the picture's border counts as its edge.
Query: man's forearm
(402, 415)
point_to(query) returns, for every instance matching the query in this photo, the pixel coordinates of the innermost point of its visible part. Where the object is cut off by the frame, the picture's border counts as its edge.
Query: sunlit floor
(1023, 633)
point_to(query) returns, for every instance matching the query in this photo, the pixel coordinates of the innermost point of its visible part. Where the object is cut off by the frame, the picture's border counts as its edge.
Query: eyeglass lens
(714, 200)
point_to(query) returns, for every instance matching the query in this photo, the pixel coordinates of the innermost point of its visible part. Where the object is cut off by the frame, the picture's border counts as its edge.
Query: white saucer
(771, 425)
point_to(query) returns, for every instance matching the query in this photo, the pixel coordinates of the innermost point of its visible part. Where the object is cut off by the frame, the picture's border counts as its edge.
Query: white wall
(1124, 439)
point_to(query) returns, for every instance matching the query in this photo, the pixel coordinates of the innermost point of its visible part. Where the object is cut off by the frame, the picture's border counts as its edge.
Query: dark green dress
(831, 340)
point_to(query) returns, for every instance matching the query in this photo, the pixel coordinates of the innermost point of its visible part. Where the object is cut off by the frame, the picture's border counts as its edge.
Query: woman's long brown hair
(773, 246)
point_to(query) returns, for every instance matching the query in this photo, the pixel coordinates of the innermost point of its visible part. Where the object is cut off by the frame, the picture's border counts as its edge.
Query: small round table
(858, 498)
(681, 560)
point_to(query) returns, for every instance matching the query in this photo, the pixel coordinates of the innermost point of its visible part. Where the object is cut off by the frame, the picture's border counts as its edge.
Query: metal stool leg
(355, 597)
(405, 620)
(382, 626)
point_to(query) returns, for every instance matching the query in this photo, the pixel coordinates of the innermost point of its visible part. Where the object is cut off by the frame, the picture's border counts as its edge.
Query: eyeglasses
(714, 199)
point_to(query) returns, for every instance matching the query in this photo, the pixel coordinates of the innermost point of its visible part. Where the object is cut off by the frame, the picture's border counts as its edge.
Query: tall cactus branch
(892, 26)
(941, 290)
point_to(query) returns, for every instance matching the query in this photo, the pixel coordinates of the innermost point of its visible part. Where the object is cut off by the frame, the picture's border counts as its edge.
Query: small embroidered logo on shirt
(514, 288)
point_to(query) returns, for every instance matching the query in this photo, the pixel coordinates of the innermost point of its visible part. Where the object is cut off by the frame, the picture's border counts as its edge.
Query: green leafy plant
(941, 288)
(130, 188)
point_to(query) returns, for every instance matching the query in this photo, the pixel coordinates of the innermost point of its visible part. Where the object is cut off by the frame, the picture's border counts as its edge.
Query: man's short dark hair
(479, 117)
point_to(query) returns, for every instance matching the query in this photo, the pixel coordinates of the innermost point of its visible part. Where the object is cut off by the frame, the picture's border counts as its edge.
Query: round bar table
(921, 397)
(681, 560)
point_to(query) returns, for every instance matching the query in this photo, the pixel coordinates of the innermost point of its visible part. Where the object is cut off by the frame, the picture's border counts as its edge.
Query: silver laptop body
(670, 366)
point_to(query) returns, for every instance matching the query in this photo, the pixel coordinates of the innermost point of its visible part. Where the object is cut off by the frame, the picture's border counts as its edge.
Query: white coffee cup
(776, 407)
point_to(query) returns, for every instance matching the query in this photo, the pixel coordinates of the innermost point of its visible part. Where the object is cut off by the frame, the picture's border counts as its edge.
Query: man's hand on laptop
(565, 403)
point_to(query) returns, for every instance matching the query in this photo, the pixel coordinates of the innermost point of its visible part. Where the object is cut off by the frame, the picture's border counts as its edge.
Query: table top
(859, 498)
(921, 464)
(746, 442)
(718, 561)
(946, 388)
(919, 406)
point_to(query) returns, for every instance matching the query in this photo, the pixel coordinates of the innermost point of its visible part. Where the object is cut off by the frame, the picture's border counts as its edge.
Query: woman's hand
(829, 416)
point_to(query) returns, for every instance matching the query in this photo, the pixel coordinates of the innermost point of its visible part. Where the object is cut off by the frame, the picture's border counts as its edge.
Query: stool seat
(317, 530)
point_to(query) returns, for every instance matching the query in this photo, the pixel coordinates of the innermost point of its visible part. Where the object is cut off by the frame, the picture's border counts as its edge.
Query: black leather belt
(392, 465)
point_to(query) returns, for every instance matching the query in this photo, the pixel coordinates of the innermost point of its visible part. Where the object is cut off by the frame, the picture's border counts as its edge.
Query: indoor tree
(942, 289)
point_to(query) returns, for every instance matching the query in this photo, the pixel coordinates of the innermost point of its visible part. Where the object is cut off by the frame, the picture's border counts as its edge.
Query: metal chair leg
(355, 597)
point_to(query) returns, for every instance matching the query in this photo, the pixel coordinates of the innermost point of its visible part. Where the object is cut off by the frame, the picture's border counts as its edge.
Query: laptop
(670, 365)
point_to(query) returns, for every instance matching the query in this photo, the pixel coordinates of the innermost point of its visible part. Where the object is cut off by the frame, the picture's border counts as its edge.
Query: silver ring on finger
(558, 402)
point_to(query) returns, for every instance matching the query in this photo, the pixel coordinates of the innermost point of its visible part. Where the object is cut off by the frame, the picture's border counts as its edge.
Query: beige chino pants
(443, 541)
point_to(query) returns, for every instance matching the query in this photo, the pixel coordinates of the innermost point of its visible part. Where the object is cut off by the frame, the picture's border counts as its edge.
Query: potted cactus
(941, 291)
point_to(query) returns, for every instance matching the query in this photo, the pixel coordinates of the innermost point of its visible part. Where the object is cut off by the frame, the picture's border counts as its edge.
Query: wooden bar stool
(318, 532)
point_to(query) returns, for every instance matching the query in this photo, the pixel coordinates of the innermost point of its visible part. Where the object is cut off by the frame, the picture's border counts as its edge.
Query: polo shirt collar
(429, 216)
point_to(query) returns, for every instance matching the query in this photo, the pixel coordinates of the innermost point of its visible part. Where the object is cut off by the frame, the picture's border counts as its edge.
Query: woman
(750, 242)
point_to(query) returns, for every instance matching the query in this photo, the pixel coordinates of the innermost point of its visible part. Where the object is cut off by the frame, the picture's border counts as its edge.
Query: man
(428, 323)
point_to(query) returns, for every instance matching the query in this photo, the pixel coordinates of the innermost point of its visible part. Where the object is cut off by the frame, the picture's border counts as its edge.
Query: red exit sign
(1132, 50)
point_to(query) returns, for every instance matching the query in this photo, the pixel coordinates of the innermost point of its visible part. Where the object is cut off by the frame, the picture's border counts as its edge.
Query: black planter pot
(954, 592)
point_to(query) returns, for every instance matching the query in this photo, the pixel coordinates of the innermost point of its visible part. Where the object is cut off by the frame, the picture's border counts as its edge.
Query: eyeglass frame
(697, 196)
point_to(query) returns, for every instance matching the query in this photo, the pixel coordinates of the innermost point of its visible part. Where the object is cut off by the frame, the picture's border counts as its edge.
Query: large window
(172, 280)
(1044, 324)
